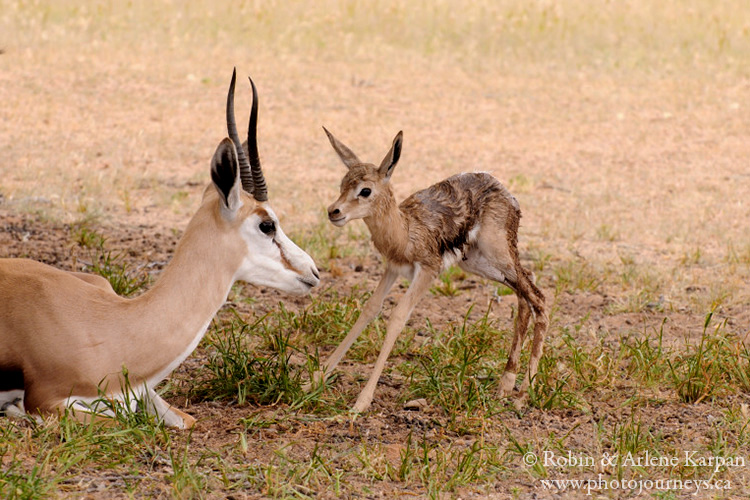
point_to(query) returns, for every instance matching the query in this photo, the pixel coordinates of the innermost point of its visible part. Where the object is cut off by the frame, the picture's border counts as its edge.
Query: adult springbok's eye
(267, 227)
(365, 192)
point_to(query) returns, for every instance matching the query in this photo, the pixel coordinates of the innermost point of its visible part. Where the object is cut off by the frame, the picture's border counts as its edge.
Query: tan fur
(101, 327)
(66, 337)
(470, 219)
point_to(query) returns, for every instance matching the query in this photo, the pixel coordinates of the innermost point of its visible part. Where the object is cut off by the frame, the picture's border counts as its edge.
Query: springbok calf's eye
(267, 227)
(365, 192)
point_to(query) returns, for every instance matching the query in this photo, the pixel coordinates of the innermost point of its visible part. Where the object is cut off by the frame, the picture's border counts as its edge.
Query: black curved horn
(259, 182)
(246, 175)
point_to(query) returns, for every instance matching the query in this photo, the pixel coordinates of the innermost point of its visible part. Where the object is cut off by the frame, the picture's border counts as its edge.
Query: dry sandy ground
(627, 148)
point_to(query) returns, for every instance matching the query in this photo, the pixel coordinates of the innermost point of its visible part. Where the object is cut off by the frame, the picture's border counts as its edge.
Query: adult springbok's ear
(391, 159)
(225, 174)
(346, 154)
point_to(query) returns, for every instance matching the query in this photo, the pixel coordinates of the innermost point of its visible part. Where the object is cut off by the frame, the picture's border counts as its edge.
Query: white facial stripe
(274, 260)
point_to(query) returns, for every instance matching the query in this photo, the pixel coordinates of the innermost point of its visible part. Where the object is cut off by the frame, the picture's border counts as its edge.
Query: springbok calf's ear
(389, 162)
(225, 174)
(346, 154)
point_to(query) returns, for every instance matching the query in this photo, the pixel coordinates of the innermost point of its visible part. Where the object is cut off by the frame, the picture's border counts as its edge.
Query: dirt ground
(625, 137)
(387, 425)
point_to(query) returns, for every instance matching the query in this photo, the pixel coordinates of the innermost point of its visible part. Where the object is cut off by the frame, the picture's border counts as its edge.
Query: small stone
(415, 404)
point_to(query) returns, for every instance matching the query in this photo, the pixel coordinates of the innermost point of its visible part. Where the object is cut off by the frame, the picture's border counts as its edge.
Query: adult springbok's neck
(173, 315)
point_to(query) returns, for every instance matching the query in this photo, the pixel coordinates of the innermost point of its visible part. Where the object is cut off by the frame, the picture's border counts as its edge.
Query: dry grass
(622, 127)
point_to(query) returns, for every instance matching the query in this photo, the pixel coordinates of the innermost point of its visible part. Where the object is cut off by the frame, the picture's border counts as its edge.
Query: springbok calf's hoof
(520, 400)
(361, 406)
(507, 384)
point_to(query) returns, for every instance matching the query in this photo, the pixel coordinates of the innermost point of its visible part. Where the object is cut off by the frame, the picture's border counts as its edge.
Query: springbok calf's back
(469, 219)
(66, 338)
(444, 220)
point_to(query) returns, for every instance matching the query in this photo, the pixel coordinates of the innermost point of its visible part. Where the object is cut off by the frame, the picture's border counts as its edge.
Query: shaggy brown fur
(469, 219)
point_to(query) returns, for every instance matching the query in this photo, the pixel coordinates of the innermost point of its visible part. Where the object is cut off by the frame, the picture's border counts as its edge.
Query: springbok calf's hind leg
(536, 300)
(495, 257)
(499, 267)
(482, 266)
(508, 381)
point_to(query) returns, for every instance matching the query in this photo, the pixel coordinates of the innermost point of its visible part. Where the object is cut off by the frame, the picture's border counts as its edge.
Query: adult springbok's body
(468, 219)
(66, 338)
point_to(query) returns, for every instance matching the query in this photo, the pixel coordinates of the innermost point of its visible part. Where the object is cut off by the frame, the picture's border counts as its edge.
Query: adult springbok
(66, 338)
(469, 219)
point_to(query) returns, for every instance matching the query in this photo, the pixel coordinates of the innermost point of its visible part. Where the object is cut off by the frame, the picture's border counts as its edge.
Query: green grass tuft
(108, 264)
(458, 370)
(241, 374)
(704, 371)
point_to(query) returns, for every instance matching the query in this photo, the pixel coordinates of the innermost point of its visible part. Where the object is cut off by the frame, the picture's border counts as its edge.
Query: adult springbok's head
(270, 257)
(365, 187)
(66, 338)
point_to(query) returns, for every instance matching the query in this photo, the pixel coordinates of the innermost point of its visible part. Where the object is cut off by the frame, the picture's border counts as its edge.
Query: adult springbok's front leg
(66, 337)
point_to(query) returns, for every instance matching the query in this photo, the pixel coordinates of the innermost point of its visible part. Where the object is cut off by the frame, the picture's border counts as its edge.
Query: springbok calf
(468, 219)
(66, 338)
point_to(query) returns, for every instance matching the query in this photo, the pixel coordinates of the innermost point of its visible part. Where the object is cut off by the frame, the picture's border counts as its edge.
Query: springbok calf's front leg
(400, 315)
(371, 309)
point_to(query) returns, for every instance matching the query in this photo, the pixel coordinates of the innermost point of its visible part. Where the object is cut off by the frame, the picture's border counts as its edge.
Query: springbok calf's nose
(333, 212)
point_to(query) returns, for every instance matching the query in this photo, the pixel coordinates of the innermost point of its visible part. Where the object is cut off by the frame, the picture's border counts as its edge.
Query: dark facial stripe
(263, 214)
(284, 261)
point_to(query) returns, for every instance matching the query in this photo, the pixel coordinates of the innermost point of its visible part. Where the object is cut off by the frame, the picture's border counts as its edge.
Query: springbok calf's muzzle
(335, 215)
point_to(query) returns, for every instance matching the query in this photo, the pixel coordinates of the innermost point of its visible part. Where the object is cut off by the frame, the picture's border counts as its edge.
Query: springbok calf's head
(269, 257)
(364, 186)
